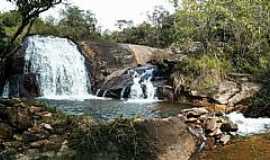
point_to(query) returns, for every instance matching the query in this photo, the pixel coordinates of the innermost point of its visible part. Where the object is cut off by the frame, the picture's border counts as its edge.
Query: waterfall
(136, 91)
(5, 93)
(105, 93)
(59, 65)
(98, 91)
(150, 90)
(123, 93)
(141, 82)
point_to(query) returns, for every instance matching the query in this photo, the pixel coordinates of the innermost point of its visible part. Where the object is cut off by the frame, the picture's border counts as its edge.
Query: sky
(109, 11)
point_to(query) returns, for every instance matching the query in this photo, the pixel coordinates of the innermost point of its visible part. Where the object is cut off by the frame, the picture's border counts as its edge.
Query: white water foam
(60, 67)
(5, 93)
(249, 126)
(137, 94)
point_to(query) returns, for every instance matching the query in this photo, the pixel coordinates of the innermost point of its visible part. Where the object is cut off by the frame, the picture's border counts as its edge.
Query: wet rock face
(117, 85)
(20, 84)
(108, 58)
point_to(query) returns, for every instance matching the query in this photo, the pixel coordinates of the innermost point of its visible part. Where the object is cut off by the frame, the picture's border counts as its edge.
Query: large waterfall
(59, 65)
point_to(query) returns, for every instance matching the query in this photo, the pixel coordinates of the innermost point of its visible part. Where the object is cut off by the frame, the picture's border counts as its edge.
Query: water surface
(109, 109)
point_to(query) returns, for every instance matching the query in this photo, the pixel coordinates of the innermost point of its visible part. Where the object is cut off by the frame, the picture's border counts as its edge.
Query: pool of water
(110, 109)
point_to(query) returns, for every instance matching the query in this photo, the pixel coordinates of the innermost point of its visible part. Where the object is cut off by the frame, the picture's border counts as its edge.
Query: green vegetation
(202, 72)
(218, 36)
(28, 11)
(121, 139)
(75, 23)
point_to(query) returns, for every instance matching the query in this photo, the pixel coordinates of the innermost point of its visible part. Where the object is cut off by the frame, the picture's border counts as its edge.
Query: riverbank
(33, 130)
(30, 130)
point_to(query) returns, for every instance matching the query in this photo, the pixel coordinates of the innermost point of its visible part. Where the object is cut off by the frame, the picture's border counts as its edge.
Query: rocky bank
(31, 130)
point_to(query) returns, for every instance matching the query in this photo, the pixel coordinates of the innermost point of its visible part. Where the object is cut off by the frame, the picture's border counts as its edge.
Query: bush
(204, 71)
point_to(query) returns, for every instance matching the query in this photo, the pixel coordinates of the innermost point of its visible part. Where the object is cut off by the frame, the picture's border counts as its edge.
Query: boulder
(109, 59)
(21, 119)
(163, 139)
(172, 138)
(117, 84)
(17, 116)
(5, 131)
(229, 92)
(195, 112)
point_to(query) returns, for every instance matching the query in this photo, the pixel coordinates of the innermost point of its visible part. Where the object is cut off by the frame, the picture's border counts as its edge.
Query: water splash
(5, 93)
(142, 89)
(247, 126)
(98, 91)
(105, 93)
(136, 91)
(150, 90)
(59, 65)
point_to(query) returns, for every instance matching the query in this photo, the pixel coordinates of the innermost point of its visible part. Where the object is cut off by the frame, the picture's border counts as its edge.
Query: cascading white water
(98, 91)
(150, 89)
(136, 90)
(5, 93)
(59, 65)
(247, 126)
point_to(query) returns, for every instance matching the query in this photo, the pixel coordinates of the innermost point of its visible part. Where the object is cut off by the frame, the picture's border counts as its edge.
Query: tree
(3, 39)
(29, 11)
(236, 30)
(78, 24)
(122, 23)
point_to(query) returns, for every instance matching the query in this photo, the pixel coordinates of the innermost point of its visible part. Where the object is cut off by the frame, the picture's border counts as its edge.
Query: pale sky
(109, 11)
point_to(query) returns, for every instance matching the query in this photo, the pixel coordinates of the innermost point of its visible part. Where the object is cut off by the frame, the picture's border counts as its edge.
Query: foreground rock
(30, 130)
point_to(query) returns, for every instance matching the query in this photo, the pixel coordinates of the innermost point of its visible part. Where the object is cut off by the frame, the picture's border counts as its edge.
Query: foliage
(238, 29)
(29, 11)
(75, 23)
(121, 139)
(157, 32)
(202, 72)
(3, 39)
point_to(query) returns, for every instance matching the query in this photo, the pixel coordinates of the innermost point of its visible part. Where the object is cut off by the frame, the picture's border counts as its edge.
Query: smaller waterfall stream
(143, 88)
(136, 91)
(5, 93)
(150, 90)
